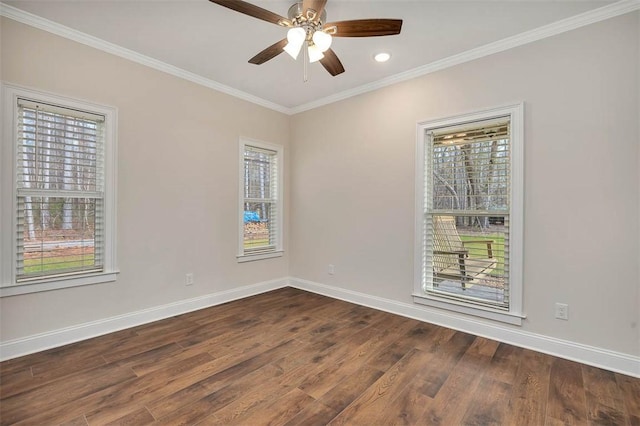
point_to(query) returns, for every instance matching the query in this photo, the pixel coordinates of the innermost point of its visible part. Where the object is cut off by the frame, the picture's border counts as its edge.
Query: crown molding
(97, 43)
(555, 28)
(559, 27)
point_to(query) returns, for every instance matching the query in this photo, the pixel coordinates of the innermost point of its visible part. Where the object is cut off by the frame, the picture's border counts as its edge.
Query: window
(469, 218)
(260, 201)
(60, 218)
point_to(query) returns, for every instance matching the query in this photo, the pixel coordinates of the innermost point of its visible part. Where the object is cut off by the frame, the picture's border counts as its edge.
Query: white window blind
(60, 191)
(467, 213)
(261, 200)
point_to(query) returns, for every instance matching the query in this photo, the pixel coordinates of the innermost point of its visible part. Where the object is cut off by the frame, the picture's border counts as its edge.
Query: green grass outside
(479, 250)
(256, 243)
(34, 266)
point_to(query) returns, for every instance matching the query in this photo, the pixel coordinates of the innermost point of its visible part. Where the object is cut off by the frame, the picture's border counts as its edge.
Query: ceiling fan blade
(365, 27)
(315, 5)
(253, 10)
(331, 63)
(269, 53)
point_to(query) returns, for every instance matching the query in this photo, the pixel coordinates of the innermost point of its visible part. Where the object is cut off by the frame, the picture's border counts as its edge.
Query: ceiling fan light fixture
(295, 37)
(315, 54)
(308, 27)
(322, 40)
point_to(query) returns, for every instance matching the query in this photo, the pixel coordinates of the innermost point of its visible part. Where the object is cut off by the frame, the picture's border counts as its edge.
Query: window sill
(56, 284)
(259, 256)
(460, 307)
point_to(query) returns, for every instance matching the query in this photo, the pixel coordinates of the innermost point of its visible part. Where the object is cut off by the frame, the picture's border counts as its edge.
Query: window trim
(8, 221)
(278, 250)
(516, 215)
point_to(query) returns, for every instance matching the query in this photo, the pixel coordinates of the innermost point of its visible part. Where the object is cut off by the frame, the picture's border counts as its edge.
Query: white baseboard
(40, 342)
(590, 355)
(598, 357)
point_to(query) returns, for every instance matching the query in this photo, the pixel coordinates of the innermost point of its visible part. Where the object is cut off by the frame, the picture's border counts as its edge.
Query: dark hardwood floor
(296, 358)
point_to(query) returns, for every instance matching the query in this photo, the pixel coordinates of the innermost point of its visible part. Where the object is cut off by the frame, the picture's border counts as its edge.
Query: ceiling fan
(307, 25)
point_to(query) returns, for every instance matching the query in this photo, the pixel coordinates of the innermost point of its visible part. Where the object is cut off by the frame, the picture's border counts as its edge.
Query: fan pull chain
(306, 62)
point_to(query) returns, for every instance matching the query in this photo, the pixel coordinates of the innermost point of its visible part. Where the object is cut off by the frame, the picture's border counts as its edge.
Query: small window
(62, 212)
(470, 215)
(260, 201)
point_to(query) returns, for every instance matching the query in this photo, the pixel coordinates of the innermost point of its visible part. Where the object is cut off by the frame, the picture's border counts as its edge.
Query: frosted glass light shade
(322, 40)
(295, 38)
(315, 54)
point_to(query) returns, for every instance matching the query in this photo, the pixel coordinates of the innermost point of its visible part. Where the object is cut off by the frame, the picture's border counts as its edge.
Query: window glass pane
(57, 235)
(467, 213)
(471, 176)
(59, 170)
(470, 257)
(259, 229)
(260, 203)
(259, 173)
(58, 152)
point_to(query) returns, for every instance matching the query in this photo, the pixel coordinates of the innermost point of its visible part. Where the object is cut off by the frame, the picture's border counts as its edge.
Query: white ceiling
(215, 43)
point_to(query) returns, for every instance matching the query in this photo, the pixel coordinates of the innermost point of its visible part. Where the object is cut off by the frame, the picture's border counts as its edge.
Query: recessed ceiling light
(382, 57)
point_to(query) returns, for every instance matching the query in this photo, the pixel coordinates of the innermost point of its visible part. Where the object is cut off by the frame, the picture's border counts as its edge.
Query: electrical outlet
(188, 279)
(331, 270)
(562, 311)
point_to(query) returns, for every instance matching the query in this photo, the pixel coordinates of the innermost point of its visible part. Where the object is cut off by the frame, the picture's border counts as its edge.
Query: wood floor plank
(605, 403)
(15, 382)
(139, 417)
(488, 402)
(389, 355)
(443, 361)
(297, 358)
(78, 421)
(332, 373)
(213, 383)
(274, 411)
(567, 401)
(152, 341)
(455, 396)
(72, 387)
(217, 388)
(531, 389)
(630, 389)
(151, 360)
(70, 353)
(148, 388)
(113, 401)
(52, 370)
(420, 335)
(47, 372)
(347, 390)
(408, 407)
(282, 410)
(371, 404)
(314, 414)
(505, 363)
(226, 393)
(202, 391)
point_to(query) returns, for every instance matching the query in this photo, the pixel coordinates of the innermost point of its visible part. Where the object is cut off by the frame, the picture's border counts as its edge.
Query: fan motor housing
(296, 13)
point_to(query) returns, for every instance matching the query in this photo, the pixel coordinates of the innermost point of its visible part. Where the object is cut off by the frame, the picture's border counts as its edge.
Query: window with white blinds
(62, 210)
(59, 190)
(261, 201)
(467, 213)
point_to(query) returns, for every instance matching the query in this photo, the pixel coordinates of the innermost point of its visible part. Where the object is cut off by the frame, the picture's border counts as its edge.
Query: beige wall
(638, 121)
(353, 180)
(177, 181)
